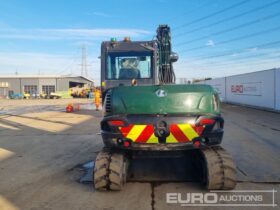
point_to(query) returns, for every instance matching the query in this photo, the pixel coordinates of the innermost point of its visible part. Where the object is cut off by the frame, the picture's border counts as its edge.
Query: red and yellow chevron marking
(145, 133)
(139, 133)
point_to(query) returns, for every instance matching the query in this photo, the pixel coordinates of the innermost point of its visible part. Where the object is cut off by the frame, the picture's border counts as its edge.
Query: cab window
(122, 66)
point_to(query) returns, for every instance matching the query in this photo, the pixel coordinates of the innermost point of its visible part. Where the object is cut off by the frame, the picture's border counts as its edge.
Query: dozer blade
(182, 168)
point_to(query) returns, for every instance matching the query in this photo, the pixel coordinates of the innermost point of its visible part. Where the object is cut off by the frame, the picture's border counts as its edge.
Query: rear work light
(127, 144)
(207, 121)
(119, 123)
(197, 144)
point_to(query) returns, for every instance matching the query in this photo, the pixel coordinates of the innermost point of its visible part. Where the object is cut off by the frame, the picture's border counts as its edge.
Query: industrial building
(12, 84)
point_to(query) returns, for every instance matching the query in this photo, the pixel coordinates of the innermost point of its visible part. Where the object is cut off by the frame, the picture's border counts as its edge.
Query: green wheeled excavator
(146, 113)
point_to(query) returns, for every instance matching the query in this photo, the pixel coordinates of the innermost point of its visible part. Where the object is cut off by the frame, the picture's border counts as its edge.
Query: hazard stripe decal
(145, 133)
(126, 130)
(188, 131)
(135, 132)
(198, 129)
(171, 139)
(152, 140)
(178, 133)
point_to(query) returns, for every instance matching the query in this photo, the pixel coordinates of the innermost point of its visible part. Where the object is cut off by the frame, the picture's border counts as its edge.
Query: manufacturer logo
(161, 93)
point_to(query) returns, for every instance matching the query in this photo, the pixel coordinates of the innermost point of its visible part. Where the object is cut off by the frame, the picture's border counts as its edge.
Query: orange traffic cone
(69, 108)
(73, 108)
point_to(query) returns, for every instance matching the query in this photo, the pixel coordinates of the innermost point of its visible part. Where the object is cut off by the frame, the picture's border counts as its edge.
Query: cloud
(47, 63)
(101, 14)
(250, 61)
(70, 34)
(253, 49)
(210, 43)
(86, 43)
(25, 62)
(31, 63)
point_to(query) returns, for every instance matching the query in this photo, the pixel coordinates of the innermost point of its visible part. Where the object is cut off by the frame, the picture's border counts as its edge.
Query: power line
(214, 64)
(212, 14)
(237, 50)
(238, 38)
(66, 68)
(240, 66)
(231, 29)
(250, 56)
(231, 18)
(251, 64)
(271, 58)
(190, 11)
(233, 59)
(69, 66)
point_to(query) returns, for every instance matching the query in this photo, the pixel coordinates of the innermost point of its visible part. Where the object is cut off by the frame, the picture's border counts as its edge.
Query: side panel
(277, 88)
(254, 89)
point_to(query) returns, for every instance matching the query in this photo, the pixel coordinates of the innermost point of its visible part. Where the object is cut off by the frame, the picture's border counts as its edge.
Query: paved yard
(42, 149)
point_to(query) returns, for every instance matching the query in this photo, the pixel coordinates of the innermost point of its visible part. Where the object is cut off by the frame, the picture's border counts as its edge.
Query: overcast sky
(214, 38)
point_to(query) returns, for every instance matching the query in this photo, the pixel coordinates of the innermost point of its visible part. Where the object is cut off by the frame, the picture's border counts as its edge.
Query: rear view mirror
(174, 57)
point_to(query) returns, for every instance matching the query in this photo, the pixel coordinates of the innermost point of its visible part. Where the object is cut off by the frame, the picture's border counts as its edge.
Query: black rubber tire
(101, 171)
(110, 171)
(117, 171)
(219, 169)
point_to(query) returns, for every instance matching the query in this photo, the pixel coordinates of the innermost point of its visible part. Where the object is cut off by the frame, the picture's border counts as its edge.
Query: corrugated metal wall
(277, 88)
(13, 84)
(17, 84)
(258, 89)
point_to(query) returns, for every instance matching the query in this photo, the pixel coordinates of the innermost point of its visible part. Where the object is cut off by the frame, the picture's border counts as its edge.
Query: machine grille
(108, 100)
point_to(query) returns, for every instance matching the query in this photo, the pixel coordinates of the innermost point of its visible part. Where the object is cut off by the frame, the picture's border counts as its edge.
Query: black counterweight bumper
(162, 132)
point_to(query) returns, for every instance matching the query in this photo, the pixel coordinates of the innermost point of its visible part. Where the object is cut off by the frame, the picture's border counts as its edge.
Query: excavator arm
(166, 56)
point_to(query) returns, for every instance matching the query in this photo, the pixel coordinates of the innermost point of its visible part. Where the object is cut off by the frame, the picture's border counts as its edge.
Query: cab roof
(125, 46)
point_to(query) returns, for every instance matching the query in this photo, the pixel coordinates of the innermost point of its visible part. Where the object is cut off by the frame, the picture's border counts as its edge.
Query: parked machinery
(146, 113)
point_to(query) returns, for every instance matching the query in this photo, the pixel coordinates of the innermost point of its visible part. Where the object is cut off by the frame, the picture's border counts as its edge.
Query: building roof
(44, 76)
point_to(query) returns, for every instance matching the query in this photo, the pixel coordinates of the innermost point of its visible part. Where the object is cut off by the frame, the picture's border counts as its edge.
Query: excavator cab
(125, 61)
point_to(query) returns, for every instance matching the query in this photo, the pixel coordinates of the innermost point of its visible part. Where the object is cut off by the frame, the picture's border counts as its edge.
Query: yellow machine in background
(26, 95)
(80, 92)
